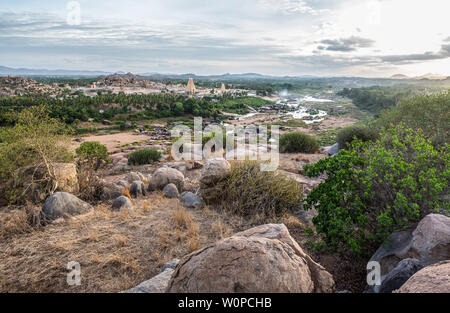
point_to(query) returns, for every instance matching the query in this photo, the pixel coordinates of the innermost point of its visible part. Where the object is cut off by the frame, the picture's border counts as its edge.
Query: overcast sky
(279, 37)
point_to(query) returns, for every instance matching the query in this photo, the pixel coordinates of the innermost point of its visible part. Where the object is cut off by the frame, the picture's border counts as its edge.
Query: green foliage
(248, 191)
(377, 187)
(376, 98)
(144, 156)
(35, 140)
(430, 113)
(298, 142)
(240, 105)
(350, 133)
(93, 152)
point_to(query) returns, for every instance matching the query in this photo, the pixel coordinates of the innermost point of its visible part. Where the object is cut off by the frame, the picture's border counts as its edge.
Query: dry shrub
(93, 236)
(193, 243)
(250, 192)
(121, 240)
(20, 220)
(182, 218)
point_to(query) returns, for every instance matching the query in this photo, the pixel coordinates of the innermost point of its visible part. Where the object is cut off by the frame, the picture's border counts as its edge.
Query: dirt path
(113, 141)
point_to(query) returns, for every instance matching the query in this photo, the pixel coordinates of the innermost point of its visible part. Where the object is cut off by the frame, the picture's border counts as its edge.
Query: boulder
(166, 175)
(132, 176)
(123, 183)
(157, 284)
(398, 276)
(66, 177)
(190, 200)
(109, 191)
(262, 259)
(121, 203)
(332, 150)
(171, 191)
(137, 189)
(214, 171)
(431, 279)
(63, 204)
(429, 243)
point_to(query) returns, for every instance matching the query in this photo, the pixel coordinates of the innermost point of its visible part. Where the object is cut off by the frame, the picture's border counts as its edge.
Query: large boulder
(166, 175)
(262, 259)
(190, 200)
(429, 243)
(137, 189)
(63, 204)
(214, 171)
(157, 284)
(431, 279)
(122, 203)
(171, 191)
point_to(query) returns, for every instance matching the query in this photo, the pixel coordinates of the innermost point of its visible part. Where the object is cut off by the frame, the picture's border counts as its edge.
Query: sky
(367, 38)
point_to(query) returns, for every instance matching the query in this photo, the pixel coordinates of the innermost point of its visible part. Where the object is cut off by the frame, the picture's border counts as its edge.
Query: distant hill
(431, 76)
(399, 76)
(4, 71)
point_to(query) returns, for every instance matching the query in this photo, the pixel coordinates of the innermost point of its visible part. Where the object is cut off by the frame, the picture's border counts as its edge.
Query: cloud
(290, 6)
(345, 44)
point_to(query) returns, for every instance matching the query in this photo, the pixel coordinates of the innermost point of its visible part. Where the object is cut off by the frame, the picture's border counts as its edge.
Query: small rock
(137, 189)
(171, 191)
(190, 200)
(121, 203)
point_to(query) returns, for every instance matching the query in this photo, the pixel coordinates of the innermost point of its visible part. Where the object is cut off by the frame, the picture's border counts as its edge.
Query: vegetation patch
(250, 192)
(298, 142)
(144, 156)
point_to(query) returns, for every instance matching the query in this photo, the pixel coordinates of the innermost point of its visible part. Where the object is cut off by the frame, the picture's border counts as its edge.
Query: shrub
(298, 142)
(93, 152)
(248, 191)
(144, 156)
(430, 113)
(35, 141)
(350, 133)
(377, 187)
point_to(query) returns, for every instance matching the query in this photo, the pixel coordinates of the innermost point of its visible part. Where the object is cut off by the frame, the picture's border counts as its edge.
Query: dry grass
(116, 252)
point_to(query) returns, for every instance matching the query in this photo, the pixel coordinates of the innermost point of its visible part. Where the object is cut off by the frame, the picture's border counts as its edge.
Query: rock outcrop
(63, 204)
(157, 284)
(431, 279)
(262, 259)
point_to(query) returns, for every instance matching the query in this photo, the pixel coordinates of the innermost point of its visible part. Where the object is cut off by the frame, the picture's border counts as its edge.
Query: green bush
(298, 142)
(377, 187)
(350, 133)
(430, 113)
(93, 152)
(248, 191)
(144, 156)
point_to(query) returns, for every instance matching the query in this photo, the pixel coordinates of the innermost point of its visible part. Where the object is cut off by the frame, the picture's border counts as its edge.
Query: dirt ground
(113, 142)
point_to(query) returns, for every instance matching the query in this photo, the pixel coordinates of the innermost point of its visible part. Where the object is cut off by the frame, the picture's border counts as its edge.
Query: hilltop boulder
(431, 279)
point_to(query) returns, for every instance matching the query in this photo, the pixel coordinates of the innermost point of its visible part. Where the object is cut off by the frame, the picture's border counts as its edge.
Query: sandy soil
(113, 142)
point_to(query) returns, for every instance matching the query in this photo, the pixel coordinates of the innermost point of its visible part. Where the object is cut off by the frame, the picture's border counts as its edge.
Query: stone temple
(190, 88)
(222, 88)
